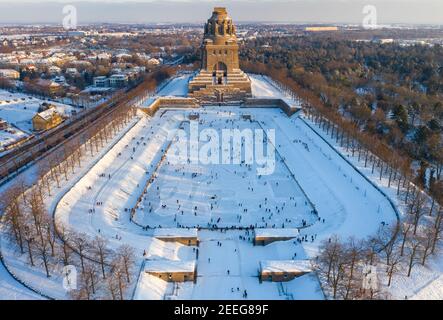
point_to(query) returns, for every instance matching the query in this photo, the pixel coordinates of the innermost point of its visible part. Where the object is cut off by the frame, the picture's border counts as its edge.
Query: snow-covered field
(176, 87)
(10, 135)
(308, 172)
(18, 109)
(196, 195)
(10, 289)
(204, 196)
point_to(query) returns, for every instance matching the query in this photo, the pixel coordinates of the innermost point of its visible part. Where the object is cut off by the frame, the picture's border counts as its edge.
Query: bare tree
(386, 240)
(332, 263)
(416, 208)
(29, 237)
(84, 291)
(353, 253)
(13, 217)
(405, 231)
(394, 264)
(101, 252)
(426, 240)
(372, 249)
(43, 251)
(92, 273)
(436, 231)
(65, 237)
(81, 244)
(112, 286)
(125, 255)
(413, 253)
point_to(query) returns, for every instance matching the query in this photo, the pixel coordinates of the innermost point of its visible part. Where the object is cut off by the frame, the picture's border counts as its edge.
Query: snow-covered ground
(178, 87)
(308, 170)
(347, 204)
(10, 135)
(196, 195)
(262, 88)
(18, 109)
(10, 289)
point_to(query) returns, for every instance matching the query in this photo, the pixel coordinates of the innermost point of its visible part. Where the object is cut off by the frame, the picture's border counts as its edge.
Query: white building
(101, 82)
(118, 80)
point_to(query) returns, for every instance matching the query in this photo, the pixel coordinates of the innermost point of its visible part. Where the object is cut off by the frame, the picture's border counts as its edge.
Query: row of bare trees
(397, 249)
(343, 265)
(104, 274)
(348, 132)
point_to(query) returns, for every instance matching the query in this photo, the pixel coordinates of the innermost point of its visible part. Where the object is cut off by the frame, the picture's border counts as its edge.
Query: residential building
(118, 80)
(101, 82)
(46, 120)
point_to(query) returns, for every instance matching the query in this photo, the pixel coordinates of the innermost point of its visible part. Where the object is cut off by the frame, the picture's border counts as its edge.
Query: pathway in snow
(117, 181)
(10, 289)
(347, 202)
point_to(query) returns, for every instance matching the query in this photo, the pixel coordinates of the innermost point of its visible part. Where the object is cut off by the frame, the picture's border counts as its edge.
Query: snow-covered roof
(47, 114)
(169, 266)
(175, 233)
(276, 233)
(296, 266)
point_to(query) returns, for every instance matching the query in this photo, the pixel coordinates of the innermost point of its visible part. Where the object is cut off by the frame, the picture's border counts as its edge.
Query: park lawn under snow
(225, 195)
(348, 203)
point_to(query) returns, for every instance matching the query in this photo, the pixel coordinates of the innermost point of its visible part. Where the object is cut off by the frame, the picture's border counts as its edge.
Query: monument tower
(220, 78)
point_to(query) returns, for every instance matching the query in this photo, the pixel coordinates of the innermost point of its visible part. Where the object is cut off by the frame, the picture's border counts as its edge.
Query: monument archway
(221, 67)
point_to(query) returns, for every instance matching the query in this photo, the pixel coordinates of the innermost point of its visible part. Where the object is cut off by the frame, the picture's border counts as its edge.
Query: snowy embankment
(34, 277)
(116, 181)
(350, 205)
(261, 88)
(425, 281)
(10, 289)
(177, 87)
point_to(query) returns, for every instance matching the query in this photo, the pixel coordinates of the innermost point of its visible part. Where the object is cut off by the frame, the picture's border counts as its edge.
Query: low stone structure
(264, 237)
(172, 271)
(187, 237)
(282, 271)
(153, 105)
(285, 106)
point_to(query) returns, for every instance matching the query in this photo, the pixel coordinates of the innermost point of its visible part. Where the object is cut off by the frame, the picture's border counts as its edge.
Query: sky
(197, 11)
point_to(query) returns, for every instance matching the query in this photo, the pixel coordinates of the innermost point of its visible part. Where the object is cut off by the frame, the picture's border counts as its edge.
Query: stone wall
(160, 103)
(271, 103)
